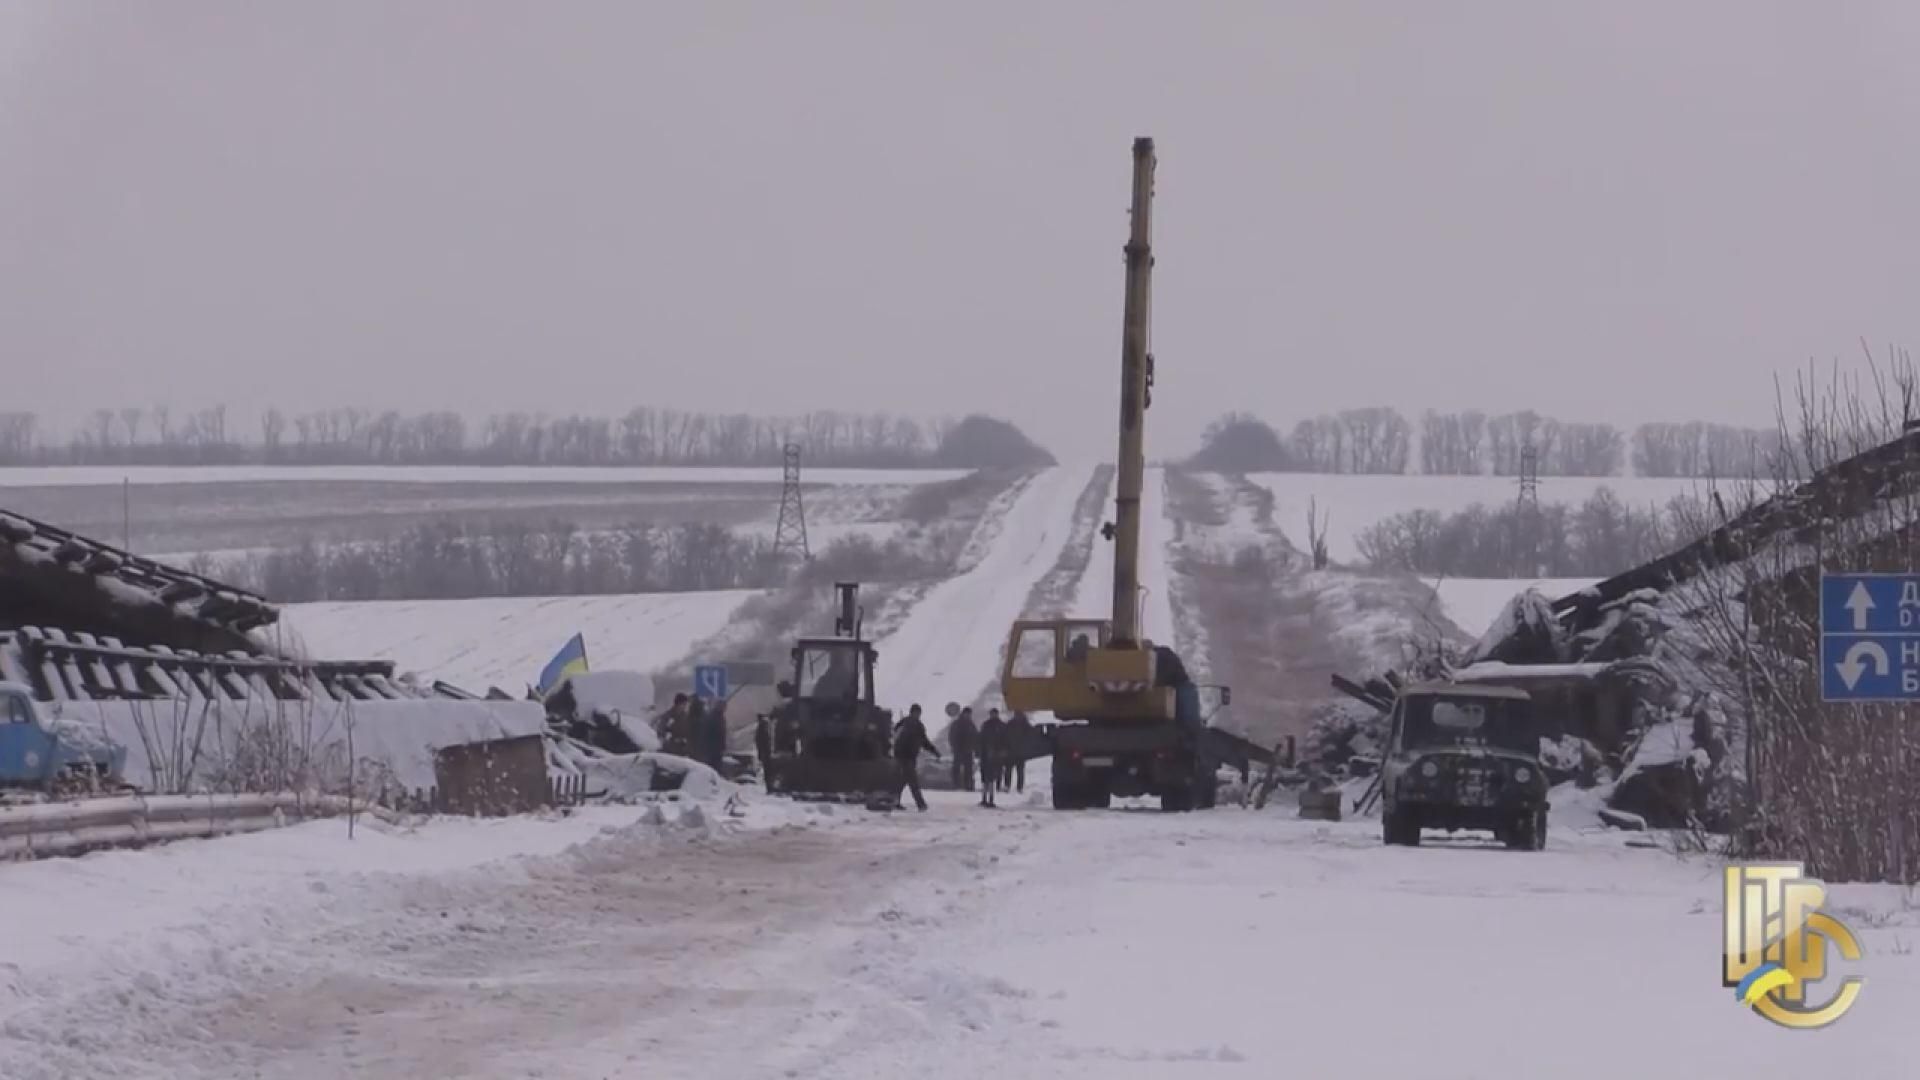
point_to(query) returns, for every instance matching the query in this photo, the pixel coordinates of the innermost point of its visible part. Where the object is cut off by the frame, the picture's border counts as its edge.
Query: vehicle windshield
(830, 672)
(1469, 721)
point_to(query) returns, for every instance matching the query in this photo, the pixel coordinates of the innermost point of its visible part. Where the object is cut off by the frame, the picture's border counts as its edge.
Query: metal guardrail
(30, 832)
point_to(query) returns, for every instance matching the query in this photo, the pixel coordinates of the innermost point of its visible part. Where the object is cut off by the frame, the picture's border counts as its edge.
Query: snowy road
(948, 647)
(958, 943)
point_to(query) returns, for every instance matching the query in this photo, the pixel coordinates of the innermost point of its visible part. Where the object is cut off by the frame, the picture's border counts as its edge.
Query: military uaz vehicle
(830, 741)
(1463, 757)
(1128, 715)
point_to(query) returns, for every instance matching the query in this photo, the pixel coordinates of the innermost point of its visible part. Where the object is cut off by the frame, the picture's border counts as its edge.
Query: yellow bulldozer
(1127, 715)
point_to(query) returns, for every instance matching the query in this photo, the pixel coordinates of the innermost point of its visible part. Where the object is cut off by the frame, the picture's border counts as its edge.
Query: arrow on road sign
(1860, 603)
(1854, 664)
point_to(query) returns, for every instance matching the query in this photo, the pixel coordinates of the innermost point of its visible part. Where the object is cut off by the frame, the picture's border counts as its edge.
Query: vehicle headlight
(1523, 774)
(1429, 769)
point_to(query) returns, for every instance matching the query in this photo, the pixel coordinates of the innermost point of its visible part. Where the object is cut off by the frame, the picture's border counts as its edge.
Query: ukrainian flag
(570, 660)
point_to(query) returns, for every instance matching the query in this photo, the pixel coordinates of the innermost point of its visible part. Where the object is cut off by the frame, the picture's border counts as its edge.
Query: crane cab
(1074, 669)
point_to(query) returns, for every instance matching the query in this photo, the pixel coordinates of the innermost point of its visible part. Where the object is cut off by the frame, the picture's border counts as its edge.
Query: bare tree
(1829, 785)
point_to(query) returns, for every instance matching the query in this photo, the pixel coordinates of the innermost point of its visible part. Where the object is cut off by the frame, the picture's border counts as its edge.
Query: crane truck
(1127, 714)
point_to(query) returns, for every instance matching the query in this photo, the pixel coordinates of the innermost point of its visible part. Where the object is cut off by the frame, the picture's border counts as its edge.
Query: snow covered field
(94, 475)
(504, 642)
(799, 943)
(1352, 503)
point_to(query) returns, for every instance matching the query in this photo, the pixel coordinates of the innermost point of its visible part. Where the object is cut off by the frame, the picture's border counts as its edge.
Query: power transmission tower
(791, 533)
(1526, 517)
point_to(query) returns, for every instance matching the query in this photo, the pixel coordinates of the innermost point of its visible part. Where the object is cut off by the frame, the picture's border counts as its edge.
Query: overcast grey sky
(1604, 211)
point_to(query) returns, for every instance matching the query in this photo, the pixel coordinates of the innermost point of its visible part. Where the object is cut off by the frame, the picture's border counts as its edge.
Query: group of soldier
(992, 752)
(996, 747)
(691, 728)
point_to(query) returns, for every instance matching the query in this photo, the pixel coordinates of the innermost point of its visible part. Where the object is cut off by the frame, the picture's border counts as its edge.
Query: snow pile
(1474, 603)
(1526, 631)
(621, 698)
(188, 746)
(636, 777)
(1664, 743)
(1374, 618)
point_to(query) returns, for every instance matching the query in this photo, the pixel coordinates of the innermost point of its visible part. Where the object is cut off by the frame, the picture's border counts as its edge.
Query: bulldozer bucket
(825, 778)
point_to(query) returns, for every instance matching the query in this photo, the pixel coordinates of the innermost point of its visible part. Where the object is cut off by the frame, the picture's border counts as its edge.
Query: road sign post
(710, 681)
(1870, 637)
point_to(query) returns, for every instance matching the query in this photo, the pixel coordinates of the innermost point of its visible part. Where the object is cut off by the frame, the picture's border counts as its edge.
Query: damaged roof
(1844, 489)
(50, 576)
(71, 666)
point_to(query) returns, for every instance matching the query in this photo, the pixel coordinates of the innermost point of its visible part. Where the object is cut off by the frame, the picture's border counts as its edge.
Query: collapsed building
(195, 679)
(81, 620)
(1629, 675)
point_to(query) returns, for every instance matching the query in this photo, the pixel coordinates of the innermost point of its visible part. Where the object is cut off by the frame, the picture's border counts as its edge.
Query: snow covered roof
(1499, 671)
(1455, 689)
(49, 575)
(61, 666)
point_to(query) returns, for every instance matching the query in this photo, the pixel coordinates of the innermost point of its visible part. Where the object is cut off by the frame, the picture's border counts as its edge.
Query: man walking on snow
(908, 740)
(993, 737)
(962, 737)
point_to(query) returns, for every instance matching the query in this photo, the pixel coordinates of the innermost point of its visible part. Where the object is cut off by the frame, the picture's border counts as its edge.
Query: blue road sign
(1870, 667)
(1870, 637)
(1870, 604)
(710, 681)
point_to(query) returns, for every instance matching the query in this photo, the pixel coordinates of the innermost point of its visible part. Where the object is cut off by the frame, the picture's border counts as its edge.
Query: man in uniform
(713, 737)
(908, 741)
(670, 721)
(763, 748)
(993, 737)
(683, 736)
(962, 736)
(1019, 745)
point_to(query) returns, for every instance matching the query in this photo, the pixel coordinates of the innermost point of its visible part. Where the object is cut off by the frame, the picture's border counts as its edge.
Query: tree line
(1381, 440)
(643, 436)
(1598, 538)
(449, 559)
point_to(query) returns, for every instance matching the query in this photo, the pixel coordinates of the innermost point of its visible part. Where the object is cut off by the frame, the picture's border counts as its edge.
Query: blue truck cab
(33, 754)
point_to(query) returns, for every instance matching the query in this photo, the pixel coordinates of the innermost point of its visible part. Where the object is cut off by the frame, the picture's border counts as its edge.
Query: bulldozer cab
(833, 669)
(831, 739)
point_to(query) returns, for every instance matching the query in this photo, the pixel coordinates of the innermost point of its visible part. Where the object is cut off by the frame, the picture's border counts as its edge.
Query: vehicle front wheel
(1400, 827)
(1177, 800)
(1528, 831)
(1208, 794)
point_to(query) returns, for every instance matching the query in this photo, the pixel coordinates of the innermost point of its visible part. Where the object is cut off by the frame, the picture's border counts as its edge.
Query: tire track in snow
(947, 648)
